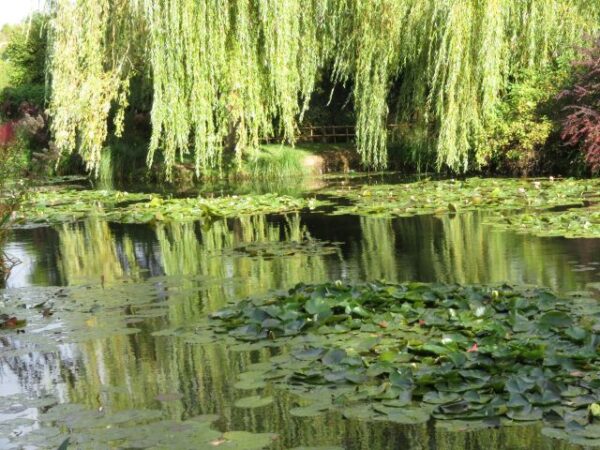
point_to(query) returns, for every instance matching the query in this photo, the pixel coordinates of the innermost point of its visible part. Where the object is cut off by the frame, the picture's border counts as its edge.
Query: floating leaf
(556, 319)
(243, 440)
(313, 410)
(459, 353)
(254, 401)
(503, 196)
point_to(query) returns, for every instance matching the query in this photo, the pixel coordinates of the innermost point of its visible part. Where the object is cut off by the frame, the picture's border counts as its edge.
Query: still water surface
(191, 270)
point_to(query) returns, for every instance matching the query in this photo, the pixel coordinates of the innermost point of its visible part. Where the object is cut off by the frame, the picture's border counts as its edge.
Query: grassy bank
(277, 161)
(283, 161)
(125, 161)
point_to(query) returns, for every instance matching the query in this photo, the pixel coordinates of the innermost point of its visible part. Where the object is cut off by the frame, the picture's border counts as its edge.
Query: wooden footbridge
(333, 133)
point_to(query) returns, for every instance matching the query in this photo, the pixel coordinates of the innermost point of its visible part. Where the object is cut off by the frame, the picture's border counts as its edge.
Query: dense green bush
(26, 51)
(23, 63)
(12, 97)
(524, 125)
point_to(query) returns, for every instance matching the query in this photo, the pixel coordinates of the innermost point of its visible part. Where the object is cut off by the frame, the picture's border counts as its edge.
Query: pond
(96, 295)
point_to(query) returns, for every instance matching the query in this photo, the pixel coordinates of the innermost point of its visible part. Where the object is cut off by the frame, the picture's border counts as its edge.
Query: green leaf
(334, 357)
(555, 319)
(440, 398)
(243, 440)
(254, 401)
(526, 414)
(309, 411)
(317, 306)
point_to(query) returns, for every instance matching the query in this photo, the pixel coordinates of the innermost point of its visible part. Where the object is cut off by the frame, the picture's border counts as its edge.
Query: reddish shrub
(581, 127)
(7, 133)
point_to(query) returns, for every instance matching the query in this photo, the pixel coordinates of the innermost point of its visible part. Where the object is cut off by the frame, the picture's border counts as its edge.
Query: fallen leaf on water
(11, 323)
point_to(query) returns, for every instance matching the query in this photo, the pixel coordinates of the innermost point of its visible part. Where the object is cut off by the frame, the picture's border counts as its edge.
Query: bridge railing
(327, 133)
(331, 133)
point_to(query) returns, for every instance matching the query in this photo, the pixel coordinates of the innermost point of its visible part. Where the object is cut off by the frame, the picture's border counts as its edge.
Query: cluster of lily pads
(572, 223)
(429, 196)
(70, 205)
(54, 316)
(62, 426)
(472, 355)
(498, 195)
(190, 209)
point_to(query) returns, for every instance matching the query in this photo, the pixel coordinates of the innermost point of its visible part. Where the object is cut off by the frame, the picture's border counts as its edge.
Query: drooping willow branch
(226, 74)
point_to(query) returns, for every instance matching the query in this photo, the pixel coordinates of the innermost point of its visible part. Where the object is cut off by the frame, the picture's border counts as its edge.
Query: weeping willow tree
(225, 75)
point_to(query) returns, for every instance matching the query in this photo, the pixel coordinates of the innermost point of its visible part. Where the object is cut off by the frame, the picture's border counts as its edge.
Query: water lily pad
(313, 410)
(440, 398)
(525, 414)
(243, 440)
(359, 412)
(250, 384)
(467, 354)
(254, 401)
(556, 319)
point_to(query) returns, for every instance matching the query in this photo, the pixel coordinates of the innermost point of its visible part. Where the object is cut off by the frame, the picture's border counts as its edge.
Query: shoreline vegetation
(515, 94)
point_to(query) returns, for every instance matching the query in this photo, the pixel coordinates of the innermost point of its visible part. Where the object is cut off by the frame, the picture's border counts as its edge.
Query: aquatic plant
(56, 205)
(108, 368)
(523, 205)
(450, 196)
(474, 355)
(71, 425)
(573, 223)
(70, 205)
(209, 209)
(225, 75)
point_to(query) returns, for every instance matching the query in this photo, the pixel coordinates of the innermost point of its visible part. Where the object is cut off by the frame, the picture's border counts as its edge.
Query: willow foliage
(90, 69)
(227, 74)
